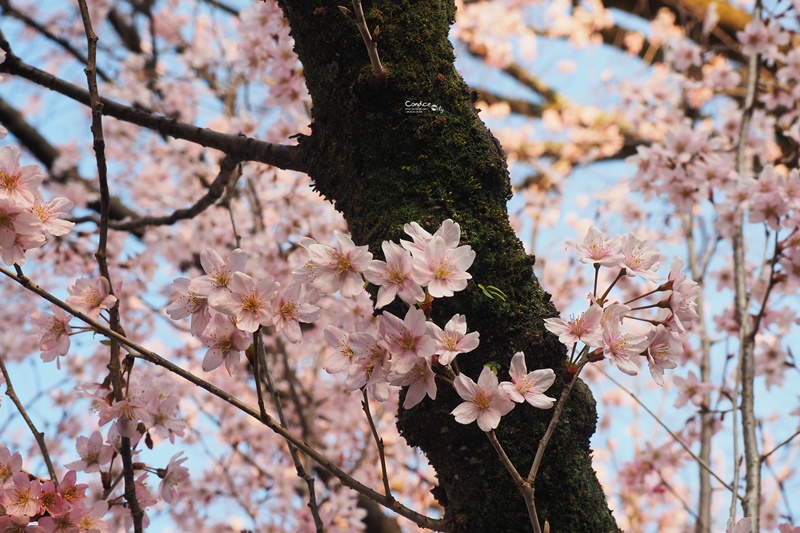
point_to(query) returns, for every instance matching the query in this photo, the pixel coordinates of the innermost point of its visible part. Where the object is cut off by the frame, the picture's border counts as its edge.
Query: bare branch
(238, 146)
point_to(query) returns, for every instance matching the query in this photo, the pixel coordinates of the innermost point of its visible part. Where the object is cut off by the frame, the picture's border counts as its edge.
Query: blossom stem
(378, 443)
(602, 299)
(261, 354)
(596, 276)
(657, 289)
(672, 434)
(524, 488)
(548, 434)
(257, 347)
(36, 434)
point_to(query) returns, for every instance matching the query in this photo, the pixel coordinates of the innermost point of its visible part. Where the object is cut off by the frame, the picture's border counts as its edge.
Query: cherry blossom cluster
(412, 351)
(601, 327)
(25, 499)
(26, 217)
(227, 306)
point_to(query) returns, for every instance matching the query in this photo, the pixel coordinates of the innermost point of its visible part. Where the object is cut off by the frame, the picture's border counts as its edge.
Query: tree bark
(384, 167)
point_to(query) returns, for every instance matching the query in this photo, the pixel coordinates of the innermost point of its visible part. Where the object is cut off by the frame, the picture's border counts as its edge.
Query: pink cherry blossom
(93, 453)
(484, 401)
(50, 500)
(249, 302)
(214, 284)
(14, 221)
(453, 339)
(18, 184)
(22, 499)
(619, 347)
(225, 344)
(10, 464)
(289, 310)
(419, 380)
(449, 231)
(343, 355)
(584, 328)
(691, 389)
(189, 303)
(742, 526)
(339, 269)
(407, 339)
(663, 345)
(596, 249)
(640, 259)
(443, 270)
(529, 386)
(90, 295)
(91, 522)
(166, 423)
(54, 331)
(15, 254)
(172, 478)
(371, 365)
(394, 276)
(51, 215)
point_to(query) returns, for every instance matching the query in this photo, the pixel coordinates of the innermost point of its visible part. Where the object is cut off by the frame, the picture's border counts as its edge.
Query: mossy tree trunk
(383, 168)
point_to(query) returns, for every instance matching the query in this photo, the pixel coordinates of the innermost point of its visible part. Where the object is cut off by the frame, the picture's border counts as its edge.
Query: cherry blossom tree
(268, 245)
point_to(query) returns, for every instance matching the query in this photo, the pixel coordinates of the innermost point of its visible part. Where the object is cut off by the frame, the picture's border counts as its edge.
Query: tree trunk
(383, 167)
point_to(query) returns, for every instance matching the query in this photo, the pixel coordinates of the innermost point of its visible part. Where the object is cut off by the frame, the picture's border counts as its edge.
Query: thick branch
(237, 146)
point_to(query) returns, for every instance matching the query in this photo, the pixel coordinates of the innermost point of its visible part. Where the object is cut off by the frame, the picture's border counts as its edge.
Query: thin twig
(240, 147)
(371, 41)
(672, 434)
(137, 513)
(154, 358)
(778, 446)
(258, 348)
(752, 504)
(227, 167)
(36, 434)
(298, 464)
(378, 443)
(522, 485)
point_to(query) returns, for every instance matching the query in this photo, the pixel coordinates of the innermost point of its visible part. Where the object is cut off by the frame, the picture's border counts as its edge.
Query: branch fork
(379, 72)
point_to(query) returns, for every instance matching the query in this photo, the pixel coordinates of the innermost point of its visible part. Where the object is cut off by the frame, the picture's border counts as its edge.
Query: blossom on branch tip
(639, 258)
(343, 356)
(485, 401)
(54, 331)
(289, 310)
(619, 347)
(189, 303)
(214, 284)
(441, 269)
(225, 344)
(596, 249)
(662, 346)
(420, 381)
(449, 231)
(50, 213)
(172, 477)
(584, 328)
(338, 269)
(18, 184)
(394, 276)
(453, 339)
(249, 302)
(529, 386)
(407, 339)
(90, 295)
(93, 453)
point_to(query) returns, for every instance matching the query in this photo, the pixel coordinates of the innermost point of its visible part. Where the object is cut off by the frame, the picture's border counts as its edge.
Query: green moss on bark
(384, 167)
